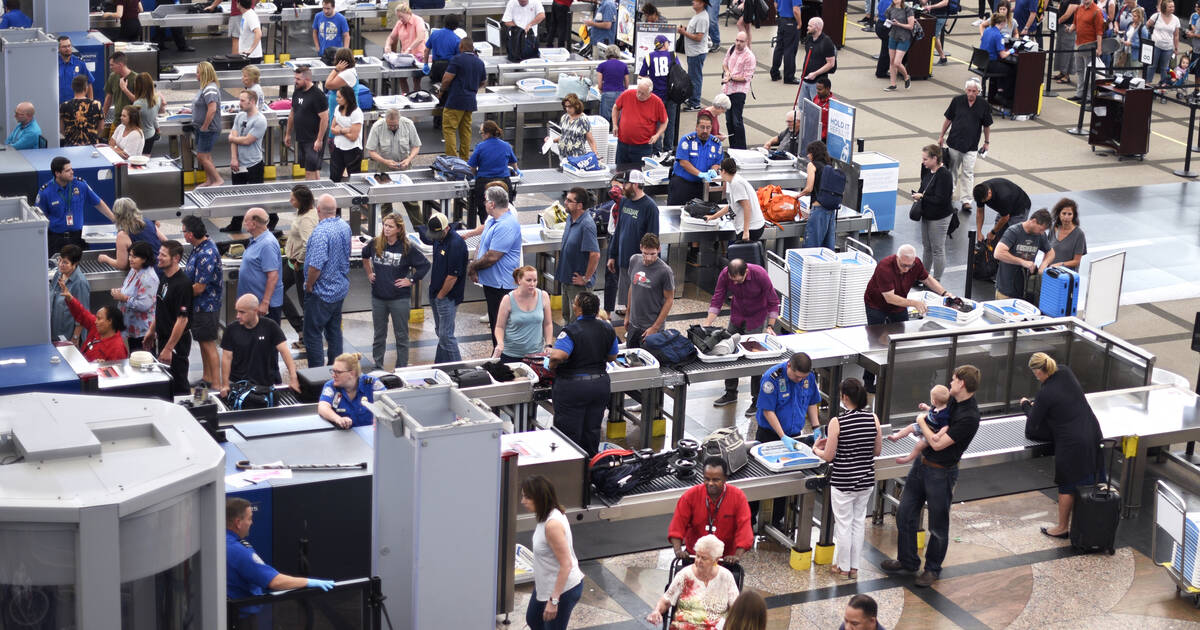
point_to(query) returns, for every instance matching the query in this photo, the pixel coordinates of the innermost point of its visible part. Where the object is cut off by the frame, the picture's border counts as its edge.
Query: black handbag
(698, 208)
(470, 377)
(915, 212)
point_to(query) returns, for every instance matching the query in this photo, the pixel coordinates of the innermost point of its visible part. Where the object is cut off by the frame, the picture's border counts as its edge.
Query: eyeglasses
(336, 371)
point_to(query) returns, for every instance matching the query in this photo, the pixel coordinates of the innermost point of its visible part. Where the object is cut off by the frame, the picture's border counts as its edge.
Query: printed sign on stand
(839, 138)
(643, 41)
(626, 14)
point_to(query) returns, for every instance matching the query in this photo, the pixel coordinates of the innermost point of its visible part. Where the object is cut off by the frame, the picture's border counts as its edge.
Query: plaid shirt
(329, 252)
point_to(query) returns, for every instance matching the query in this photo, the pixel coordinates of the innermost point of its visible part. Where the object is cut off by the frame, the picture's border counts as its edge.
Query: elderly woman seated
(701, 593)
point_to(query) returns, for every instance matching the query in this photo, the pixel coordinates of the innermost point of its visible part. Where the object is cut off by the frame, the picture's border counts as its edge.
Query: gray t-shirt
(647, 284)
(250, 154)
(698, 24)
(1066, 249)
(1009, 279)
(900, 14)
(149, 115)
(740, 189)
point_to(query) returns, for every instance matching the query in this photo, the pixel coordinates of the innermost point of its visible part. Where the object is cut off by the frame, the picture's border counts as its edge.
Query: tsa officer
(246, 575)
(69, 66)
(581, 385)
(697, 154)
(62, 200)
(787, 404)
(345, 396)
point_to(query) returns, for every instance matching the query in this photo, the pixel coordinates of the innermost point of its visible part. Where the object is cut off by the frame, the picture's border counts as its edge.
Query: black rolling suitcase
(751, 252)
(1096, 516)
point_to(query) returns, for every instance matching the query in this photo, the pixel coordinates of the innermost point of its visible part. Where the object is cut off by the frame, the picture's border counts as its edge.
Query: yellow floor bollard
(615, 431)
(800, 560)
(268, 58)
(284, 57)
(297, 172)
(658, 428)
(416, 316)
(269, 172)
(921, 539)
(823, 554)
(556, 303)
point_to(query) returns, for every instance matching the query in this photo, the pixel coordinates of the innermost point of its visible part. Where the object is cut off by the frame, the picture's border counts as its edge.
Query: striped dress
(854, 461)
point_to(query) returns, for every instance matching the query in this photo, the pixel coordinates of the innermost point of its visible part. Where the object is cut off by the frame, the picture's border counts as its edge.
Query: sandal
(852, 574)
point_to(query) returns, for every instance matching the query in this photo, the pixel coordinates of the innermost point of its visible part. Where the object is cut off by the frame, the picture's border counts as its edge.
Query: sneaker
(714, 48)
(728, 398)
(943, 61)
(926, 579)
(907, 83)
(1075, 99)
(483, 319)
(791, 82)
(892, 566)
(751, 411)
(776, 76)
(890, 88)
(691, 108)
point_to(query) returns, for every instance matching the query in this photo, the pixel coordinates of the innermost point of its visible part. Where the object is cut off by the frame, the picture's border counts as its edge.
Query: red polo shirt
(887, 277)
(730, 515)
(639, 119)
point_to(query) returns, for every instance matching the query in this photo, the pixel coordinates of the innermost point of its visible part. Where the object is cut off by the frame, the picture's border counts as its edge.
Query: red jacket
(95, 348)
(731, 517)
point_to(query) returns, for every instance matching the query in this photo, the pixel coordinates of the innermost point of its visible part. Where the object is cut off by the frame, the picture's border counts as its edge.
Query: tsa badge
(768, 387)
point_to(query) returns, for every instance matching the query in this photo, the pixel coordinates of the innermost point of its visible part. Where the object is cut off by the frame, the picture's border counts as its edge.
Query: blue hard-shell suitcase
(1060, 292)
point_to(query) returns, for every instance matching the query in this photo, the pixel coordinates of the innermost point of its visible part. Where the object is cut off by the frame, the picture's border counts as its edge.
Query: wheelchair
(678, 564)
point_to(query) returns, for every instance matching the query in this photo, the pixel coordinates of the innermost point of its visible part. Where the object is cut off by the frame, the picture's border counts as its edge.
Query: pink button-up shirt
(410, 36)
(739, 64)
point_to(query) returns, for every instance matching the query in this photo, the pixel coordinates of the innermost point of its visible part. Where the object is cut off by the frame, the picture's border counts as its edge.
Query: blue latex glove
(425, 68)
(324, 585)
(519, 173)
(712, 174)
(790, 443)
(546, 362)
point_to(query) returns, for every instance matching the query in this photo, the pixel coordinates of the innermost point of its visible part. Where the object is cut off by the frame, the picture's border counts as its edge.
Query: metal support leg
(678, 411)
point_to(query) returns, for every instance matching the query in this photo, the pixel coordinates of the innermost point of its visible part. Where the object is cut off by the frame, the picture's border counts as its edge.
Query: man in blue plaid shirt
(204, 268)
(326, 283)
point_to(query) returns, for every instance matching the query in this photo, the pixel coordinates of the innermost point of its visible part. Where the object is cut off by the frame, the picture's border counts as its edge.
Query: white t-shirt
(132, 143)
(737, 190)
(355, 118)
(250, 22)
(1164, 31)
(522, 15)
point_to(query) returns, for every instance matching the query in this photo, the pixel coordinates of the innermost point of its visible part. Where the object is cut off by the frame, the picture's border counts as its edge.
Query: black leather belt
(580, 377)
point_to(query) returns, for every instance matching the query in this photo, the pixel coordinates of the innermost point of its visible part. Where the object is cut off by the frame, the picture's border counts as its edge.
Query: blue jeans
(443, 325)
(820, 228)
(566, 603)
(1162, 64)
(669, 139)
(934, 488)
(632, 153)
(607, 100)
(322, 318)
(808, 91)
(714, 27)
(696, 74)
(398, 310)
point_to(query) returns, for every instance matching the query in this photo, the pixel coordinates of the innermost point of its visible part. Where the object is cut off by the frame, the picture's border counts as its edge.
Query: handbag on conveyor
(726, 443)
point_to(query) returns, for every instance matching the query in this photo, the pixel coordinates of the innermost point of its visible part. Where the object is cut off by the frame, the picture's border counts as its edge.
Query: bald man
(26, 134)
(887, 292)
(788, 139)
(819, 60)
(249, 350)
(260, 273)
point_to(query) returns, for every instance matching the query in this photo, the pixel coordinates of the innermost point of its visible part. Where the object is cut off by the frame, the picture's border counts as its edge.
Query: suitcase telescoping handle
(1106, 470)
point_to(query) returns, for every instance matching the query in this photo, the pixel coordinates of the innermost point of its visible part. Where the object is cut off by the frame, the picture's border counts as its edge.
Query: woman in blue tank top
(524, 324)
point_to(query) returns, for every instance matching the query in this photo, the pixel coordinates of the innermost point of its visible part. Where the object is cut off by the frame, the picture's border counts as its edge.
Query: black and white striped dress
(854, 462)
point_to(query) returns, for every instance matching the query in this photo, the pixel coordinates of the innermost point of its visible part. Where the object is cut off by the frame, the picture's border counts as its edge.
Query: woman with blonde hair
(1060, 414)
(344, 397)
(131, 228)
(392, 266)
(206, 118)
(524, 324)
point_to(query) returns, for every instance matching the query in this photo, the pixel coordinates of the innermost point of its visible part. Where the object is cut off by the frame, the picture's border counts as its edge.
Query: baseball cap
(661, 39)
(437, 223)
(632, 177)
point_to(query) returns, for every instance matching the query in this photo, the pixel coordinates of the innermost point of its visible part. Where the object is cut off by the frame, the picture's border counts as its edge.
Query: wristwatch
(554, 601)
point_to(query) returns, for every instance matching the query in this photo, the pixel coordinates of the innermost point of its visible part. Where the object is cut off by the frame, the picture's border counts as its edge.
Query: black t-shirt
(307, 107)
(1008, 199)
(255, 357)
(1062, 9)
(820, 50)
(967, 122)
(964, 422)
(174, 300)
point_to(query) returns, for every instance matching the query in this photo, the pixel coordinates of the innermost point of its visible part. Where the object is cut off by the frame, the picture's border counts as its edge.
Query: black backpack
(830, 188)
(670, 347)
(247, 395)
(985, 260)
(679, 84)
(519, 45)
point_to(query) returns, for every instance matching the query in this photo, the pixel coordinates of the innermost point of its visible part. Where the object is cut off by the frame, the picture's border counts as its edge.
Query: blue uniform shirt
(25, 136)
(246, 575)
(702, 155)
(15, 19)
(261, 256)
(784, 8)
(63, 205)
(492, 157)
(329, 251)
(330, 30)
(502, 235)
(66, 73)
(993, 42)
(204, 267)
(442, 44)
(790, 401)
(358, 412)
(564, 342)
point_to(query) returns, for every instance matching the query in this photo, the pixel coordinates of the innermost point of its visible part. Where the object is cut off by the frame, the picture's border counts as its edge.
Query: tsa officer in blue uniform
(69, 66)
(697, 154)
(581, 386)
(62, 200)
(787, 404)
(13, 17)
(345, 396)
(246, 575)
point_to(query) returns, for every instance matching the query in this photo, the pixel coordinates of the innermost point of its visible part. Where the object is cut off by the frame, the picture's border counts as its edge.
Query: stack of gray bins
(436, 507)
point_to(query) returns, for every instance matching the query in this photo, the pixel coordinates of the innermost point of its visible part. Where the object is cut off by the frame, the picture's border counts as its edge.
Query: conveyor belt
(753, 469)
(250, 193)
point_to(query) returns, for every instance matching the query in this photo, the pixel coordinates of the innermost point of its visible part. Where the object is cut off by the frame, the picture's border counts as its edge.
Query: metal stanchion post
(1088, 74)
(970, 262)
(1049, 91)
(1187, 160)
